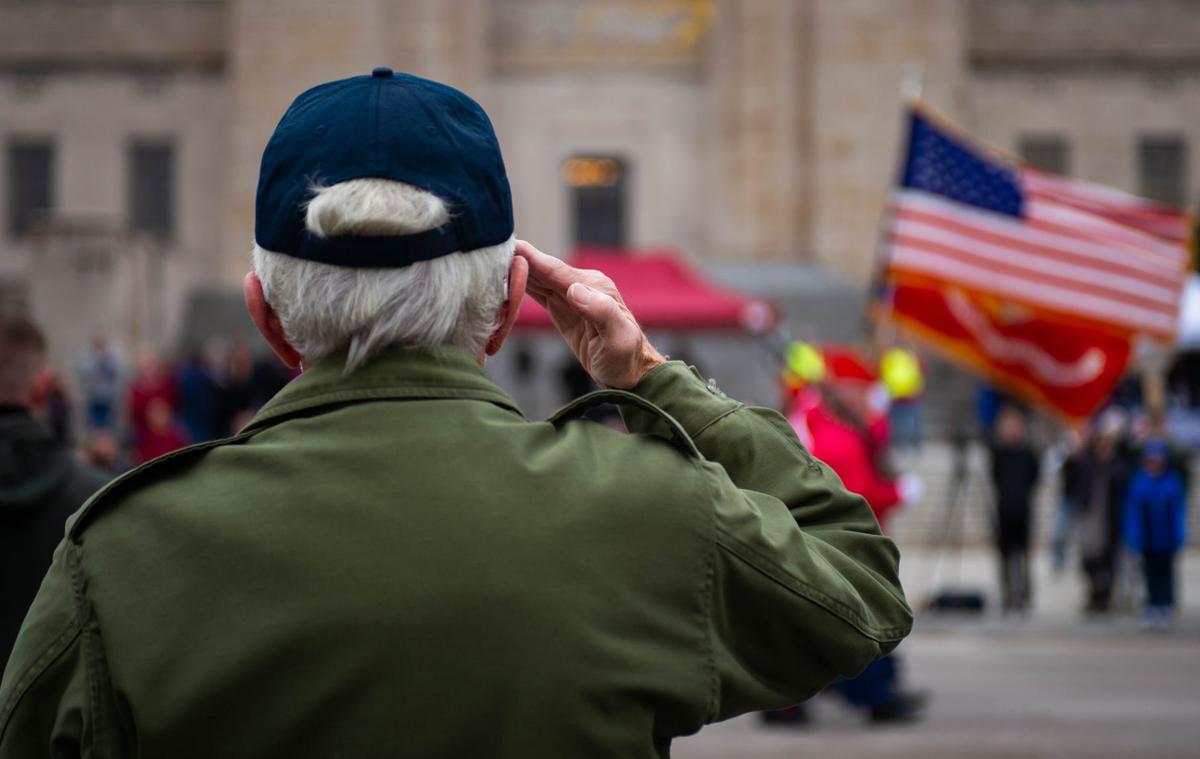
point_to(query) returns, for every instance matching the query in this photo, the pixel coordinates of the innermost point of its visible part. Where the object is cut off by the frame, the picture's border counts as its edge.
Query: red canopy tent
(664, 292)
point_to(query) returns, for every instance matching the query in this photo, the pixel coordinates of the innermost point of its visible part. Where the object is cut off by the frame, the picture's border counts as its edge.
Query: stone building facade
(743, 131)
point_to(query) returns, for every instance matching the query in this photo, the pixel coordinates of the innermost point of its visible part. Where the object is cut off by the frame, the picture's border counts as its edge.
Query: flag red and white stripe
(1078, 249)
(1129, 210)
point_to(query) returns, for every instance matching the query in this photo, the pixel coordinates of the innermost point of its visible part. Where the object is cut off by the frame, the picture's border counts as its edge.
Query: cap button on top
(383, 72)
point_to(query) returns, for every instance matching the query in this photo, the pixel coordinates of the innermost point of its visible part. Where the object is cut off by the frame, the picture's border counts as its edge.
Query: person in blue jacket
(1156, 528)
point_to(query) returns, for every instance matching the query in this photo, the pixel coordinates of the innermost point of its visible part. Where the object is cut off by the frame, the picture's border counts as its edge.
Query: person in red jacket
(153, 380)
(855, 449)
(841, 415)
(161, 433)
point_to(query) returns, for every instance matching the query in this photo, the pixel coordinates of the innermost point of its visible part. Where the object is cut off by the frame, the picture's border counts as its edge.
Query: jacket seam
(712, 707)
(50, 654)
(718, 418)
(75, 525)
(801, 588)
(377, 392)
(398, 383)
(91, 654)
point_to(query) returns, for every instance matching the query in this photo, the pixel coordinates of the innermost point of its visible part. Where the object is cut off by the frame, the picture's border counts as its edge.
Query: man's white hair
(452, 300)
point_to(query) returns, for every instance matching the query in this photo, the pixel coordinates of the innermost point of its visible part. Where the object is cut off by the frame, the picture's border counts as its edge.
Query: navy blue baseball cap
(387, 126)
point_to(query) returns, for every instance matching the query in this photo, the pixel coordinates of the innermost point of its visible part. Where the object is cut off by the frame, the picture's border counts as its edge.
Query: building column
(760, 130)
(863, 49)
(277, 49)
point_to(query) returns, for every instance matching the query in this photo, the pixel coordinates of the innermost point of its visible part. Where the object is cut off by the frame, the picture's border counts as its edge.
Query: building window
(598, 188)
(152, 187)
(1046, 152)
(30, 184)
(1163, 162)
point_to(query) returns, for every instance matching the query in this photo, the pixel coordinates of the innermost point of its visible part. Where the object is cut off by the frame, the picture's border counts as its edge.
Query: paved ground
(1053, 685)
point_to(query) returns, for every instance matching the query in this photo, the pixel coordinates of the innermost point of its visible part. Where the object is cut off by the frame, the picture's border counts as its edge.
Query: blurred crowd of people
(131, 412)
(1122, 507)
(61, 441)
(1122, 484)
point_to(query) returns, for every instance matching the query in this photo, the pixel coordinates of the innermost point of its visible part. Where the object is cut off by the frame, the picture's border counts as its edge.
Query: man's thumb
(591, 304)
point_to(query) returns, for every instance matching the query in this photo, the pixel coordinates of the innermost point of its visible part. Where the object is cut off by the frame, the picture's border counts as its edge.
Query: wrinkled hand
(588, 312)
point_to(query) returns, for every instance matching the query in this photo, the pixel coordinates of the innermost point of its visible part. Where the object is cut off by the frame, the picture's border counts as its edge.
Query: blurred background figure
(160, 432)
(100, 384)
(1062, 458)
(1015, 471)
(1154, 427)
(840, 410)
(249, 382)
(1094, 481)
(200, 399)
(1156, 529)
(102, 451)
(903, 376)
(51, 404)
(153, 382)
(40, 482)
(988, 402)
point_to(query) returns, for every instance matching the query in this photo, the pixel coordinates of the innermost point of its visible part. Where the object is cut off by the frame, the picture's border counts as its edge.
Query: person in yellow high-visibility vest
(903, 376)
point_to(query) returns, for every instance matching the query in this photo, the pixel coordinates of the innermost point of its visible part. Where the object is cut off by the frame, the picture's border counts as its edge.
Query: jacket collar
(398, 373)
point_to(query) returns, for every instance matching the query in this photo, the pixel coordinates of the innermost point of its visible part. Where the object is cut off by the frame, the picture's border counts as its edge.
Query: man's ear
(518, 274)
(267, 321)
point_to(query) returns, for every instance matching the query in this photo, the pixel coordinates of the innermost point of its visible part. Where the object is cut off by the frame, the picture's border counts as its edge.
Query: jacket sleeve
(43, 695)
(1131, 528)
(804, 586)
(1179, 512)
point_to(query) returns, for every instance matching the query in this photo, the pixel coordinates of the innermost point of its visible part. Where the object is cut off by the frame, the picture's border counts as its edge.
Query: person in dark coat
(200, 409)
(1015, 472)
(40, 482)
(1096, 478)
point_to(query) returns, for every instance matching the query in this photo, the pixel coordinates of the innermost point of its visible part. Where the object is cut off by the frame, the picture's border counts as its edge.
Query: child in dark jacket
(1156, 527)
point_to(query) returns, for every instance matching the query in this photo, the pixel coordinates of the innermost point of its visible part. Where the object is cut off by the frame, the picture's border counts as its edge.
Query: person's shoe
(905, 706)
(1163, 619)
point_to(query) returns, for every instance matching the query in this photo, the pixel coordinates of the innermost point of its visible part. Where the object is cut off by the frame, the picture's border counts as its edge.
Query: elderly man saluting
(390, 560)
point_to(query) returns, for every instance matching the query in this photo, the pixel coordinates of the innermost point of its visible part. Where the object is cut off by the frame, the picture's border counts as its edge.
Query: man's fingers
(550, 274)
(546, 270)
(591, 316)
(538, 297)
(597, 308)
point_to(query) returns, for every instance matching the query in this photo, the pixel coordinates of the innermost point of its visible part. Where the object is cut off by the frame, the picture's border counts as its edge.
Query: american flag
(969, 218)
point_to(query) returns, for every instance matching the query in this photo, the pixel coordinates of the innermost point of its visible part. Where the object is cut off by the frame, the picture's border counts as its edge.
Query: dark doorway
(598, 188)
(30, 184)
(151, 166)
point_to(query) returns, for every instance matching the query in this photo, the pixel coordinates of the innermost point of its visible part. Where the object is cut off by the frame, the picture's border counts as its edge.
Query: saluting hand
(588, 312)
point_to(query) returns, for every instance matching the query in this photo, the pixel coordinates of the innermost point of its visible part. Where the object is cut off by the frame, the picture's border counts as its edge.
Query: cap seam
(378, 81)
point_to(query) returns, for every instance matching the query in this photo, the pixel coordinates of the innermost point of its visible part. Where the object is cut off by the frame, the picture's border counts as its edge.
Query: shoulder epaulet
(76, 523)
(576, 408)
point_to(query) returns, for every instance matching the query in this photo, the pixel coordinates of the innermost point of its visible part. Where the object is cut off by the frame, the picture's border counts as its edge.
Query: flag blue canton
(939, 164)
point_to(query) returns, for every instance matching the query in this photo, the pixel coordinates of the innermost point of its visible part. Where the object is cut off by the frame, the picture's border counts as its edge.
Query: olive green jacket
(398, 563)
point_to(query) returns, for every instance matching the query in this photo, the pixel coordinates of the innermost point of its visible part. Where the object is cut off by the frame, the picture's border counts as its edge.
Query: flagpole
(912, 84)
